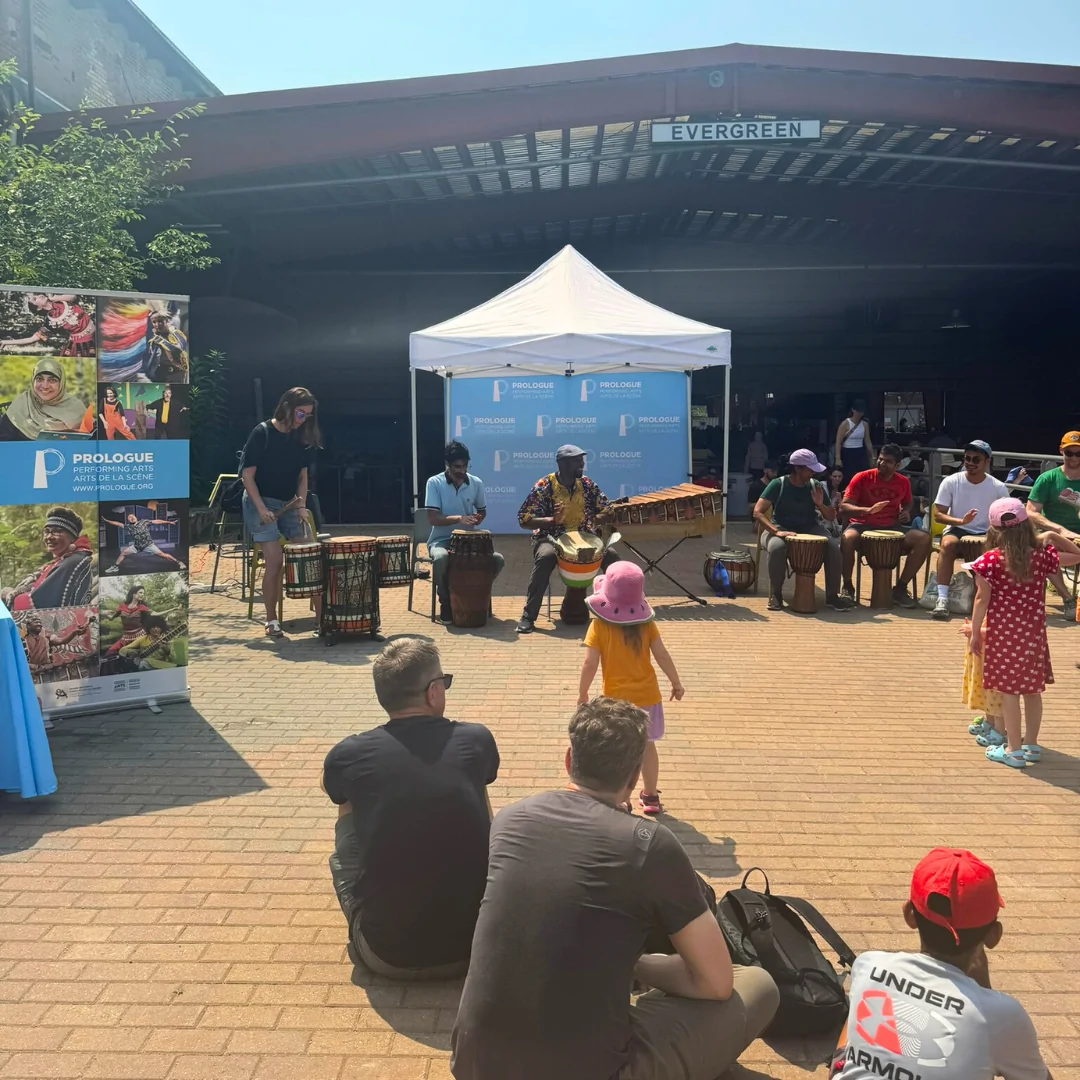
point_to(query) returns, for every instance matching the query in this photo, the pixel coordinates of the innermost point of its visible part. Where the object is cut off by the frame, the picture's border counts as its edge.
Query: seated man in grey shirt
(575, 887)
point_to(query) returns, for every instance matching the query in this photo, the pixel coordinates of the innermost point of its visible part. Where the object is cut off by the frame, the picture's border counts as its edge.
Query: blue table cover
(25, 761)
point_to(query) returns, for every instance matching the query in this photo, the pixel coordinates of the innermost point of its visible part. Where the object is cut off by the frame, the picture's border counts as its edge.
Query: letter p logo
(626, 423)
(543, 422)
(587, 387)
(461, 423)
(499, 387)
(42, 472)
(501, 459)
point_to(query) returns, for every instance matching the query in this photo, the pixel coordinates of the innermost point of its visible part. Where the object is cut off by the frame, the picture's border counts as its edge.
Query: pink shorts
(655, 713)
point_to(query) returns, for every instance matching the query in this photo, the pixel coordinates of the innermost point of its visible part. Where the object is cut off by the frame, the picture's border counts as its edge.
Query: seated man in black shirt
(756, 487)
(575, 886)
(410, 858)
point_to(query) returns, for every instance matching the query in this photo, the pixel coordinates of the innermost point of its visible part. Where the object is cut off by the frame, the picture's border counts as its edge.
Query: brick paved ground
(169, 915)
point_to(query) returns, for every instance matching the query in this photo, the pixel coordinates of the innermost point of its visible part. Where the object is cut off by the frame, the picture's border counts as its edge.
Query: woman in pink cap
(1008, 623)
(621, 636)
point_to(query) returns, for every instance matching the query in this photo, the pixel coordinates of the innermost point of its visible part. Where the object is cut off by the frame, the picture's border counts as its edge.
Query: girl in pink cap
(1008, 623)
(621, 636)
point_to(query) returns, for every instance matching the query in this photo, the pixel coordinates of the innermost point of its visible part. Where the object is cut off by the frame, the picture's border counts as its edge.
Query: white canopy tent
(568, 318)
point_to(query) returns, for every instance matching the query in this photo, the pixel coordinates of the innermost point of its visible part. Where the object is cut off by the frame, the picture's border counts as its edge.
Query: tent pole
(446, 407)
(689, 432)
(727, 445)
(415, 453)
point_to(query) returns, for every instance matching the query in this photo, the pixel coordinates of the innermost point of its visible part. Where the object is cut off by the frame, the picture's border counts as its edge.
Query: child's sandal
(1014, 759)
(1031, 752)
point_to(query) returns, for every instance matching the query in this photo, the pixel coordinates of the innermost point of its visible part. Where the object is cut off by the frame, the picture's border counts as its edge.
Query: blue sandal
(1015, 759)
(1031, 752)
(979, 727)
(990, 738)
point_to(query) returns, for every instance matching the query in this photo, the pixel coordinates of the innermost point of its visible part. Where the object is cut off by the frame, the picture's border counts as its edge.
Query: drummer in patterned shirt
(140, 541)
(562, 501)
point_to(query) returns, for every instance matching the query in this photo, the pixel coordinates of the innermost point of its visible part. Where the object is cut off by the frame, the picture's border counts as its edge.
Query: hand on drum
(677, 692)
(879, 507)
(469, 520)
(786, 534)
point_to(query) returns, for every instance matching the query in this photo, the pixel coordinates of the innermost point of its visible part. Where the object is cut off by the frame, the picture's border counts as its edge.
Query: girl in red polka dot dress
(1008, 623)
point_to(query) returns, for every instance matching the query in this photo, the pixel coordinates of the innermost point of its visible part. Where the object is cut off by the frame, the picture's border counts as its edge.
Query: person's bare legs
(849, 546)
(274, 561)
(1033, 714)
(947, 556)
(650, 769)
(917, 544)
(1010, 707)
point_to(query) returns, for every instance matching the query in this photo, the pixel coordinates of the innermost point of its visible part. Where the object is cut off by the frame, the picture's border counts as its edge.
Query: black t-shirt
(277, 459)
(753, 492)
(574, 887)
(416, 786)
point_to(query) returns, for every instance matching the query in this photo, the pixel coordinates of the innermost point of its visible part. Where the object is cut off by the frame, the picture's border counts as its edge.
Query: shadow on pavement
(123, 764)
(710, 858)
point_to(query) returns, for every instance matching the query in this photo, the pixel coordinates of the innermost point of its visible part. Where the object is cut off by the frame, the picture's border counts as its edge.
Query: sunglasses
(1071, 453)
(446, 680)
(976, 459)
(301, 414)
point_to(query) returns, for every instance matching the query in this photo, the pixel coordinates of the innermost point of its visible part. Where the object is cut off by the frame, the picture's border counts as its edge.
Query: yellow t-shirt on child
(628, 674)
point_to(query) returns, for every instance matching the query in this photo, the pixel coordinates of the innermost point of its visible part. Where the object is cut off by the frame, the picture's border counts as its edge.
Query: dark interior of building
(921, 253)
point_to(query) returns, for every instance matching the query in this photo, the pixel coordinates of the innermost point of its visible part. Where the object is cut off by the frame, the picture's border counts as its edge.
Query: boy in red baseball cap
(932, 1012)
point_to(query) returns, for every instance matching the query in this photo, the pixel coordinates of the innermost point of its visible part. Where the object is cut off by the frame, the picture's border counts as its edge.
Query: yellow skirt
(975, 697)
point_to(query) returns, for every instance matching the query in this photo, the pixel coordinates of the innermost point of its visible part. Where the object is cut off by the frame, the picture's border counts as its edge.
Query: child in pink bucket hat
(622, 636)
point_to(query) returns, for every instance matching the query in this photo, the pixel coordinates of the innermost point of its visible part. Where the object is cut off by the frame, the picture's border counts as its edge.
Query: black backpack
(763, 930)
(232, 497)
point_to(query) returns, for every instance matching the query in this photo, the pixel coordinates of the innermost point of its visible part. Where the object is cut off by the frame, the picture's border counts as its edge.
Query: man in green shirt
(795, 504)
(1054, 504)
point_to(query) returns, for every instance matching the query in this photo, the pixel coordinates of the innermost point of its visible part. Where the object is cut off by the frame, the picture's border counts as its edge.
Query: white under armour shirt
(915, 1018)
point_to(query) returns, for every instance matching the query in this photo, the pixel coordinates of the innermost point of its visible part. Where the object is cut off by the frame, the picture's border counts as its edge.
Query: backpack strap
(822, 926)
(757, 926)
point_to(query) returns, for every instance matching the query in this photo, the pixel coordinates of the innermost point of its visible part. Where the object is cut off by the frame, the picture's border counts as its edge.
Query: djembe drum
(882, 549)
(738, 564)
(470, 570)
(394, 568)
(303, 570)
(579, 556)
(806, 556)
(350, 587)
(971, 547)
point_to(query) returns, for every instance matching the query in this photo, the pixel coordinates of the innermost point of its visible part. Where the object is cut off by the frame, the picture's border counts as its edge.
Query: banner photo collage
(94, 415)
(633, 429)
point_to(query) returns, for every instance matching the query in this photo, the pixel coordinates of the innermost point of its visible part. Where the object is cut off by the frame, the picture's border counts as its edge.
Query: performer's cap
(568, 450)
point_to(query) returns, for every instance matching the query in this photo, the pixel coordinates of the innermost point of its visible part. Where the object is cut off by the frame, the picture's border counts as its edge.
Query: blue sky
(245, 45)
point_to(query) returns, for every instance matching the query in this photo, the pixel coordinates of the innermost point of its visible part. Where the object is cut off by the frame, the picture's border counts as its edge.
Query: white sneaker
(941, 608)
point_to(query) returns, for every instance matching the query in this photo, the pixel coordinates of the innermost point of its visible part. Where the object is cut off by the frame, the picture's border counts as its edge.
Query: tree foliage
(70, 208)
(211, 435)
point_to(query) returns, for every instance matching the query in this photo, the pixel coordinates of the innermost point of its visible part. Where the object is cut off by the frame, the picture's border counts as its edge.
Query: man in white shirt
(454, 500)
(933, 1013)
(962, 505)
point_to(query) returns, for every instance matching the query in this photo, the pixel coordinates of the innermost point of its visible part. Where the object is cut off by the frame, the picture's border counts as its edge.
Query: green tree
(68, 207)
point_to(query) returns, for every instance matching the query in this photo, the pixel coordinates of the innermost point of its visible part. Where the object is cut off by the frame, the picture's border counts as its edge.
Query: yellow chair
(759, 547)
(936, 532)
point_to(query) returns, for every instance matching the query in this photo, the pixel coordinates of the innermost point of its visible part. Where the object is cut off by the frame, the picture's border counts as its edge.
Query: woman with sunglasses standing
(1054, 505)
(274, 471)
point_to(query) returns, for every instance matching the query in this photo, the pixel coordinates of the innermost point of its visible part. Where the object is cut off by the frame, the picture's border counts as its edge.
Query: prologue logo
(146, 457)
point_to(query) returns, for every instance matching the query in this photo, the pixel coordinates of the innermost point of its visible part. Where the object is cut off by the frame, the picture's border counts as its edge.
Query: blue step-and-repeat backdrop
(633, 429)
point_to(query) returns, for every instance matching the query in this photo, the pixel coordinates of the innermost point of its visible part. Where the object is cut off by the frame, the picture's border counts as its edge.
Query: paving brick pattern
(169, 916)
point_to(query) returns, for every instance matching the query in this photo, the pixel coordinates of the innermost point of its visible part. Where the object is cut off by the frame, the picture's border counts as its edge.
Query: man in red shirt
(881, 499)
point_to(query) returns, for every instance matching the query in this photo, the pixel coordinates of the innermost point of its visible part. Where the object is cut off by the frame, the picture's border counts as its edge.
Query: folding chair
(421, 531)
(758, 545)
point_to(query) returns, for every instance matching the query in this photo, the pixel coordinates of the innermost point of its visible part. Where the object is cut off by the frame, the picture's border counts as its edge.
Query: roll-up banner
(633, 429)
(94, 428)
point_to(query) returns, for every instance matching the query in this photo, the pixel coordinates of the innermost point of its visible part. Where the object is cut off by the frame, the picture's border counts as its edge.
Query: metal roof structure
(975, 159)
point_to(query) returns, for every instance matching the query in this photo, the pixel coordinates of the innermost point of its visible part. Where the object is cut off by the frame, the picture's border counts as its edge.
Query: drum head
(810, 538)
(883, 534)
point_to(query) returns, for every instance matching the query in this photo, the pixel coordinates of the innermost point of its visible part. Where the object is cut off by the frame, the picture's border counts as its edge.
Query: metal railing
(1002, 460)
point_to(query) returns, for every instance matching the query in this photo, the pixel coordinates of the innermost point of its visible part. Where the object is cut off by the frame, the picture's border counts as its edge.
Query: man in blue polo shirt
(454, 500)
